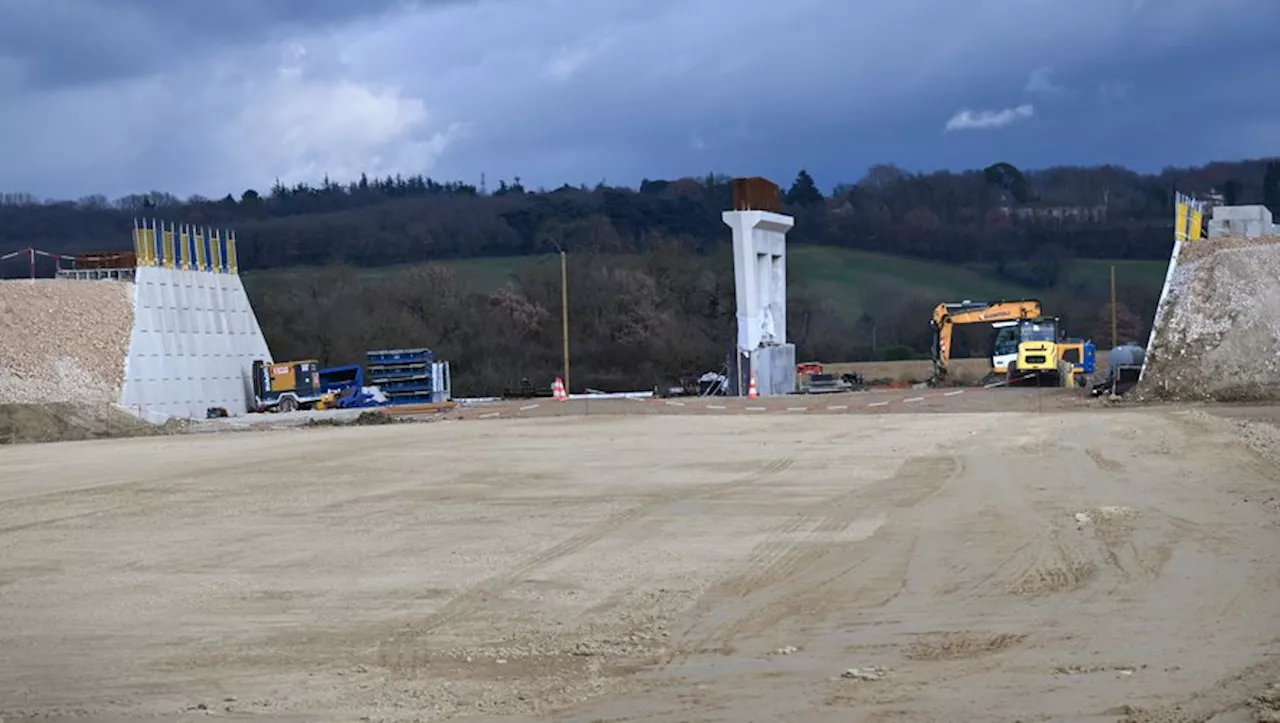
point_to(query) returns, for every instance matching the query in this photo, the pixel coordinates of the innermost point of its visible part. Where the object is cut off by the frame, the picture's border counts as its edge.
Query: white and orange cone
(752, 392)
(559, 391)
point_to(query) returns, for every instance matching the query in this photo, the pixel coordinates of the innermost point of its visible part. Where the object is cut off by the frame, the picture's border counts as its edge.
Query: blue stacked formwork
(403, 375)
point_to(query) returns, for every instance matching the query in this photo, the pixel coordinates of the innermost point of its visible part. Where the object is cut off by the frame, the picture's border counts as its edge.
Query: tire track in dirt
(1041, 565)
(1250, 692)
(769, 557)
(64, 518)
(917, 481)
(1104, 463)
(1061, 553)
(1053, 569)
(399, 654)
(960, 645)
(1115, 535)
(782, 553)
(768, 582)
(1050, 556)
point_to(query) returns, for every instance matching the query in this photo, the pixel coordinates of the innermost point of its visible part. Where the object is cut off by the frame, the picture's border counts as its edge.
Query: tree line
(636, 321)
(649, 267)
(1023, 222)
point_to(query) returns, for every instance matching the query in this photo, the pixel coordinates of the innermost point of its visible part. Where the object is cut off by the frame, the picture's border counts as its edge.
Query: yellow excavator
(1005, 315)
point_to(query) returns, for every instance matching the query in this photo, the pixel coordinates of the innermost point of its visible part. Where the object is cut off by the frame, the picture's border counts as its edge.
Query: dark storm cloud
(210, 97)
(72, 42)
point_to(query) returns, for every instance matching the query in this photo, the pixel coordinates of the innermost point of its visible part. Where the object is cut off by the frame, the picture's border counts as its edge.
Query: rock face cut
(64, 341)
(1217, 335)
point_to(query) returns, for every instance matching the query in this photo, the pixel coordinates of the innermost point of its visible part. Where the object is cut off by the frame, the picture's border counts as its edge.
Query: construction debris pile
(64, 341)
(1217, 335)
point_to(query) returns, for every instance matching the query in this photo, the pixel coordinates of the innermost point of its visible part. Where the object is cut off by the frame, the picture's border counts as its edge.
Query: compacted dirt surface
(1106, 564)
(875, 401)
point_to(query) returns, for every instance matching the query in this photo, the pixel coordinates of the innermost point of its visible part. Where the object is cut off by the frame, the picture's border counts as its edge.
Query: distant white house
(1094, 214)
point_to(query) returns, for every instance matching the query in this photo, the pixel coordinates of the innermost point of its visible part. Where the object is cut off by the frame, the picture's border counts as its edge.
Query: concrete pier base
(775, 369)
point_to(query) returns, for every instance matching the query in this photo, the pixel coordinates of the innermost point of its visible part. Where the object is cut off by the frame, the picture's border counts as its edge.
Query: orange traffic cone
(752, 392)
(559, 391)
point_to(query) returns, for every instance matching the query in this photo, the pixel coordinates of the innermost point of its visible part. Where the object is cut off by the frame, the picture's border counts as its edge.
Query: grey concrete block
(775, 369)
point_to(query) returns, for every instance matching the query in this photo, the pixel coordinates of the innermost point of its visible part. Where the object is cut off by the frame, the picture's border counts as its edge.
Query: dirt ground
(868, 563)
(879, 401)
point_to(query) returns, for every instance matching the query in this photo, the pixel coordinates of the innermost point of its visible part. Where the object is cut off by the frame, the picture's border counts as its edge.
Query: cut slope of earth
(64, 341)
(1218, 334)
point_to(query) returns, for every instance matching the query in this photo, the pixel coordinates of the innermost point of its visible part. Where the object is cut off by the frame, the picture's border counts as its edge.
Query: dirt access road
(1098, 565)
(876, 401)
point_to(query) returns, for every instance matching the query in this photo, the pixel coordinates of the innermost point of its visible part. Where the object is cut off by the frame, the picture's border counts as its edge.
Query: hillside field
(844, 278)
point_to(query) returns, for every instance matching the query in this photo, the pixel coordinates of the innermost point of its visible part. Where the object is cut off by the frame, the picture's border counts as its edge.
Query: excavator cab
(1004, 346)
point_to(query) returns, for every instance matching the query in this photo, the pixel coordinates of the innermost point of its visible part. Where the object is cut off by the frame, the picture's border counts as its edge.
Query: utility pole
(1114, 341)
(564, 314)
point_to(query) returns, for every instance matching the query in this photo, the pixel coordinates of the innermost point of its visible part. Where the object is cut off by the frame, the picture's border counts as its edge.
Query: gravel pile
(64, 341)
(1219, 335)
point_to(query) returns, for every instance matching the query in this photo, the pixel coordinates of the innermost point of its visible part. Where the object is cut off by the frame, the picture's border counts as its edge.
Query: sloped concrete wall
(195, 338)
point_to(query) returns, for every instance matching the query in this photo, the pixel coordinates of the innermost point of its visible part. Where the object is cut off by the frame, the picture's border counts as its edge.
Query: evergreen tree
(1231, 193)
(1271, 187)
(803, 191)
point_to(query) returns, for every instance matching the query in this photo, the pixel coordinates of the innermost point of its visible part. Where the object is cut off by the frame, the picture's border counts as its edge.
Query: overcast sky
(216, 96)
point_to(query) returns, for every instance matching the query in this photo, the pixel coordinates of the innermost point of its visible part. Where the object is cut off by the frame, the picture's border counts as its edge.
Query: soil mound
(64, 341)
(1218, 335)
(28, 423)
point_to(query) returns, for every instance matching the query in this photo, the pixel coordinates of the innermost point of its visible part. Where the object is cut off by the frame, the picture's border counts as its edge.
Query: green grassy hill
(845, 278)
(1149, 272)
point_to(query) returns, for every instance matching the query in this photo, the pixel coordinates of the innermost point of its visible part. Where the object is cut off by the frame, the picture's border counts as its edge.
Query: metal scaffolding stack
(408, 376)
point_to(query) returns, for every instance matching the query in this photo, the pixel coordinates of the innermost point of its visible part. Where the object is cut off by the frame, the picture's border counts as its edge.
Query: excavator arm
(946, 315)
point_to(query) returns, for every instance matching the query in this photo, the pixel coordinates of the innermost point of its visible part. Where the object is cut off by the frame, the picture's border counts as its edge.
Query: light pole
(564, 313)
(1114, 341)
